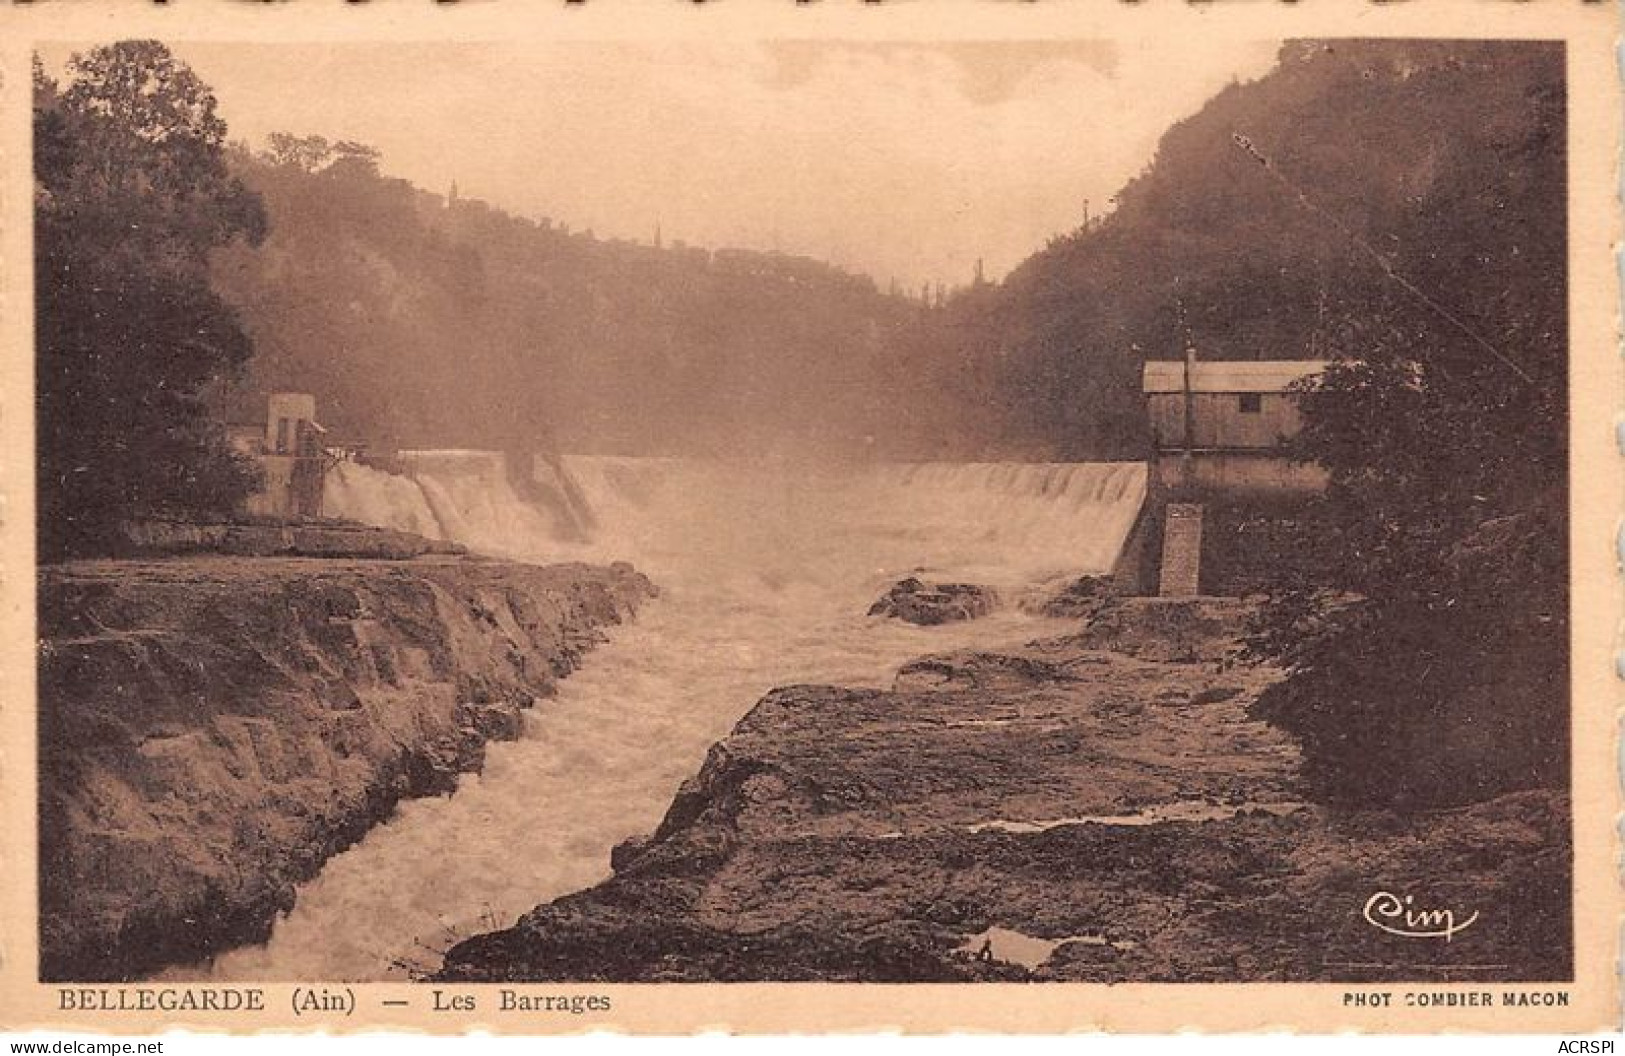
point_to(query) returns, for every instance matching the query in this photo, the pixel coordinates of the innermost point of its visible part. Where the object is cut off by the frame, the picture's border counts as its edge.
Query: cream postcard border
(1596, 376)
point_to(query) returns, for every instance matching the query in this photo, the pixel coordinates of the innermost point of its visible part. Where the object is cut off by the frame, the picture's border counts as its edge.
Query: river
(766, 571)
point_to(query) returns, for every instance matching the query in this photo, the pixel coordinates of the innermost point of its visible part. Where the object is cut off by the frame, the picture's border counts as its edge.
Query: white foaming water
(766, 572)
(364, 494)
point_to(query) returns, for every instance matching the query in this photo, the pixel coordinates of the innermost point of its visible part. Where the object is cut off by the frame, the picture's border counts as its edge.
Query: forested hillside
(1359, 185)
(431, 320)
(1391, 164)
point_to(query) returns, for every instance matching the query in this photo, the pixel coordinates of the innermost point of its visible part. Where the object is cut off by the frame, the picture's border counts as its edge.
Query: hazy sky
(903, 161)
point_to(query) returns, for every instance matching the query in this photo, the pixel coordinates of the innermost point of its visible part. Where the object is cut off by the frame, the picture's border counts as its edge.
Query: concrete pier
(1181, 568)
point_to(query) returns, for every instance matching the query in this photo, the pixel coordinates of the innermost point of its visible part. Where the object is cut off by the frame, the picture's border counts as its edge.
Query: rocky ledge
(275, 538)
(1097, 807)
(213, 729)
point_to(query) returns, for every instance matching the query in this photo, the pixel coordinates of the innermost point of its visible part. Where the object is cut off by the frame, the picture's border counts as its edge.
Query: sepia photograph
(518, 519)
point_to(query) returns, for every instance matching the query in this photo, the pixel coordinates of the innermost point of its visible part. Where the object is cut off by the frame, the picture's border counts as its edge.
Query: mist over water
(766, 571)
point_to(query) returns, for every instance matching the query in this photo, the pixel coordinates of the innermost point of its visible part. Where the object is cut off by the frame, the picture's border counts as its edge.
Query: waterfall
(372, 496)
(1006, 522)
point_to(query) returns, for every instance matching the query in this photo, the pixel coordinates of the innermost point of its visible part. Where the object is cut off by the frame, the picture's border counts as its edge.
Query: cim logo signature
(1396, 915)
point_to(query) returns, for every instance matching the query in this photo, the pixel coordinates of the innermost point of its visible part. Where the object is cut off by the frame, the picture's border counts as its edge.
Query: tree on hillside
(306, 153)
(1427, 643)
(1432, 637)
(131, 195)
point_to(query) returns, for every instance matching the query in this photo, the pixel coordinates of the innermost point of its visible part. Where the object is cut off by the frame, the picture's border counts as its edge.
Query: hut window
(1252, 403)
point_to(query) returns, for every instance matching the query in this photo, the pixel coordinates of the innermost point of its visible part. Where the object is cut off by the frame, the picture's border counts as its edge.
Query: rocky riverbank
(1097, 807)
(212, 729)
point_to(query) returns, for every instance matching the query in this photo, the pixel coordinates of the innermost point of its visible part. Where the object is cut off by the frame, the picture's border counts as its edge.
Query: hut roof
(1258, 375)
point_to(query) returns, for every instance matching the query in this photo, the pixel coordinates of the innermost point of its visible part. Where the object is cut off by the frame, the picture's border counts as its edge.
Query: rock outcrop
(213, 729)
(928, 604)
(1191, 630)
(1080, 598)
(1064, 811)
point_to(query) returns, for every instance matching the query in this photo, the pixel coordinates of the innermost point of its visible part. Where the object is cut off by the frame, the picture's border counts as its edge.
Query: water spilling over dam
(1009, 521)
(766, 572)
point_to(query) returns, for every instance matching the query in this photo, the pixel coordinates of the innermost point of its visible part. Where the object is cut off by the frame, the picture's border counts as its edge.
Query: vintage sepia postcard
(992, 517)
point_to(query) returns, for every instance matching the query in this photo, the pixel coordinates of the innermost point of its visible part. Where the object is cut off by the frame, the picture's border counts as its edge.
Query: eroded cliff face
(212, 729)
